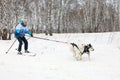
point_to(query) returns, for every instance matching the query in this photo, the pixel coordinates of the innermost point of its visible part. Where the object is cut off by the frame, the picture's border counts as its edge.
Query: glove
(31, 35)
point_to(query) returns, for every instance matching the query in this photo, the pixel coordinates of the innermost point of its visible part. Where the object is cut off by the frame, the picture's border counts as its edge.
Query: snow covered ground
(54, 61)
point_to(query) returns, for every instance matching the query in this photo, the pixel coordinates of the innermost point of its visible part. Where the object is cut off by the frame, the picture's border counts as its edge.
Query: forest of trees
(60, 16)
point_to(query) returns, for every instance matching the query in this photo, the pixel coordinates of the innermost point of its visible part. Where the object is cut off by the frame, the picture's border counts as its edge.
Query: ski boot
(19, 53)
(26, 51)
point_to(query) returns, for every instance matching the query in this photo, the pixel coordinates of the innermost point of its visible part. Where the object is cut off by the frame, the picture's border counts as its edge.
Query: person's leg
(26, 43)
(20, 44)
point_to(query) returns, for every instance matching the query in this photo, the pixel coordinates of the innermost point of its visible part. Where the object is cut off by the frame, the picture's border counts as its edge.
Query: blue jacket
(20, 31)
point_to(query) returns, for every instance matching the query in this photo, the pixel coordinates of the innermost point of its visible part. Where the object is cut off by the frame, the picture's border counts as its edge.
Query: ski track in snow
(54, 61)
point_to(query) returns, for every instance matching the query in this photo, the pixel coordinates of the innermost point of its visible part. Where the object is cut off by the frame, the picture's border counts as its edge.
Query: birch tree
(60, 16)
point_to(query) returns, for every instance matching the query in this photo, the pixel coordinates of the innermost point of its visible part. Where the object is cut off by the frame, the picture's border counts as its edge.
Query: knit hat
(22, 21)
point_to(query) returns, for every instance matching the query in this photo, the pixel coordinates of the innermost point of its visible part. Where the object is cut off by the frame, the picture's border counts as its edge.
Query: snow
(55, 61)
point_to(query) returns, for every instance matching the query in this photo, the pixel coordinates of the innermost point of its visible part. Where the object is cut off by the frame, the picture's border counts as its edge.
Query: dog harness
(86, 49)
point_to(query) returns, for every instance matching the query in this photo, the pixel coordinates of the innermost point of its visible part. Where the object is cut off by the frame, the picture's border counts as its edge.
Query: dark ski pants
(21, 40)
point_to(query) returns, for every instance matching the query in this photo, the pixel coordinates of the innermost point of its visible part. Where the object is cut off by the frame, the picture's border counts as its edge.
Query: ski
(27, 54)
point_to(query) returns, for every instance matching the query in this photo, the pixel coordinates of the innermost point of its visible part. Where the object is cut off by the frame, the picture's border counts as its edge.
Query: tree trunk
(0, 35)
(4, 34)
(119, 13)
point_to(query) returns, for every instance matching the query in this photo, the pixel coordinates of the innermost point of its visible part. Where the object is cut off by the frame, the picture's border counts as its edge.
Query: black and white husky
(79, 49)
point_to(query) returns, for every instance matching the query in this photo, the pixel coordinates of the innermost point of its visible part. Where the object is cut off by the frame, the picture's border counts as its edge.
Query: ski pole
(11, 46)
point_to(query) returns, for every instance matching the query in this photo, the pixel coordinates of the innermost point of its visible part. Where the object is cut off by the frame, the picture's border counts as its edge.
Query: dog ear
(89, 45)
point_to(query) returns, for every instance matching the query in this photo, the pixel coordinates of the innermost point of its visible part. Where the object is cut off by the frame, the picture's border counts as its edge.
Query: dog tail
(74, 45)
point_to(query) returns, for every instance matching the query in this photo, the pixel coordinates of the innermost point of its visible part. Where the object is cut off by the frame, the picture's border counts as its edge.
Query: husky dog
(80, 49)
